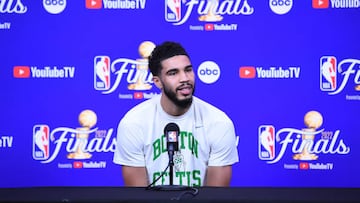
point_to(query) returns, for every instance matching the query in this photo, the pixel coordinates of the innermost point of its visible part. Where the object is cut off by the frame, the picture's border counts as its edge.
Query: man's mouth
(185, 90)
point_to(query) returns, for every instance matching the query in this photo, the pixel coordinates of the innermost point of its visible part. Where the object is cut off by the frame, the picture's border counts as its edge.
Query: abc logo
(208, 72)
(54, 6)
(280, 6)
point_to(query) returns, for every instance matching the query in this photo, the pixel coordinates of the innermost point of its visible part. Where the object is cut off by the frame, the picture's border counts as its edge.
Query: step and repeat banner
(287, 72)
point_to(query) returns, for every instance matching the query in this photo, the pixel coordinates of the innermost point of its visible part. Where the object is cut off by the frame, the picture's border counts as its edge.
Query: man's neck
(171, 108)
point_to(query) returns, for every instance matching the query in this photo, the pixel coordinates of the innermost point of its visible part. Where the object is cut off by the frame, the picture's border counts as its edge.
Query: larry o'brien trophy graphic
(142, 67)
(87, 120)
(313, 120)
(211, 16)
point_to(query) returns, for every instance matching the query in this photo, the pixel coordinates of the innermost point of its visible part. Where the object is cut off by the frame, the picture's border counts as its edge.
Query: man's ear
(157, 82)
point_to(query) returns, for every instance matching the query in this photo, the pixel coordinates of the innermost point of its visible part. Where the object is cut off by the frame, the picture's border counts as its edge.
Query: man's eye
(172, 73)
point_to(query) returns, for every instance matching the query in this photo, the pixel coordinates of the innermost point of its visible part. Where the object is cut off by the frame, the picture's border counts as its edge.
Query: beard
(184, 103)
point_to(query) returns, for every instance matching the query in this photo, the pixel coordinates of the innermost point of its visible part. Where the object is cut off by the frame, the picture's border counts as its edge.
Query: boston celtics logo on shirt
(184, 174)
(179, 161)
(187, 141)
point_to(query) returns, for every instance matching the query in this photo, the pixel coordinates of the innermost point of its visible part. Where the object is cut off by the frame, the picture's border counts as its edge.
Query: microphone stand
(171, 165)
(171, 187)
(171, 132)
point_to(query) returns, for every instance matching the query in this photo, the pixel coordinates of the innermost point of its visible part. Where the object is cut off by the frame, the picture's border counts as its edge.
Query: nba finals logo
(47, 145)
(178, 12)
(135, 71)
(336, 74)
(306, 144)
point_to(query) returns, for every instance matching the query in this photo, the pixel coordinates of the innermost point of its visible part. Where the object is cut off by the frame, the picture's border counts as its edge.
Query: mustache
(183, 85)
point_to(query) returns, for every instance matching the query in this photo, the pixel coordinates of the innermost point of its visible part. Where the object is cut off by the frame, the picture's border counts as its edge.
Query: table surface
(213, 194)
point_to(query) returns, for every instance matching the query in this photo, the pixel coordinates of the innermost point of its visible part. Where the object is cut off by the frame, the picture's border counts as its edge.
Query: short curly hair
(164, 51)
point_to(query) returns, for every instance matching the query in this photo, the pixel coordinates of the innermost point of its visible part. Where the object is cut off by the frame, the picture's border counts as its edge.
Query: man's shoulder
(208, 110)
(143, 109)
(204, 105)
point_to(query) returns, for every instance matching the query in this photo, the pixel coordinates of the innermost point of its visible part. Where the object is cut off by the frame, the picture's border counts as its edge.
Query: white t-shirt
(207, 138)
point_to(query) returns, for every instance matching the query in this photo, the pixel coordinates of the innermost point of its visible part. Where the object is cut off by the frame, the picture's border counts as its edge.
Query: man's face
(177, 79)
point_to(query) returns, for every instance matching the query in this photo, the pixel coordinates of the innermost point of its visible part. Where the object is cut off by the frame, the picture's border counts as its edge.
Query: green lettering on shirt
(189, 178)
(186, 141)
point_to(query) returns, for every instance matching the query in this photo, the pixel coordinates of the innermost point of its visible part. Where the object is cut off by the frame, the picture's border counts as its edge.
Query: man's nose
(184, 76)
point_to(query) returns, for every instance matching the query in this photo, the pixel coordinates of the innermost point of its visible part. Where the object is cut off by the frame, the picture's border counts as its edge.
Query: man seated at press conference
(204, 150)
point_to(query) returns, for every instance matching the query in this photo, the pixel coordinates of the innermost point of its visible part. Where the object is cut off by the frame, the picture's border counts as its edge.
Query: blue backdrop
(286, 72)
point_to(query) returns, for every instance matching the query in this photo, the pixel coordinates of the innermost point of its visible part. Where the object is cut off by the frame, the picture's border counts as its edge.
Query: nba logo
(328, 73)
(172, 136)
(101, 72)
(41, 145)
(172, 10)
(266, 142)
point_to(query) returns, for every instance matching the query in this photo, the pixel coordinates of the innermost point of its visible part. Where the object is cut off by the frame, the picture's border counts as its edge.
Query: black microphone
(171, 132)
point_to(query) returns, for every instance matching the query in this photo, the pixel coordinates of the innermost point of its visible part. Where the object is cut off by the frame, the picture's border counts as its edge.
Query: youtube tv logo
(304, 166)
(247, 72)
(93, 4)
(320, 4)
(21, 72)
(138, 95)
(78, 164)
(209, 27)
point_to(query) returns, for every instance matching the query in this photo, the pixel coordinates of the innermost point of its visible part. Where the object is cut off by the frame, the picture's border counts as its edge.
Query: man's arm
(218, 176)
(134, 176)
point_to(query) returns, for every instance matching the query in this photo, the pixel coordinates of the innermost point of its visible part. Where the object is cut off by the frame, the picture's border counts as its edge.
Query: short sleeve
(129, 145)
(223, 149)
